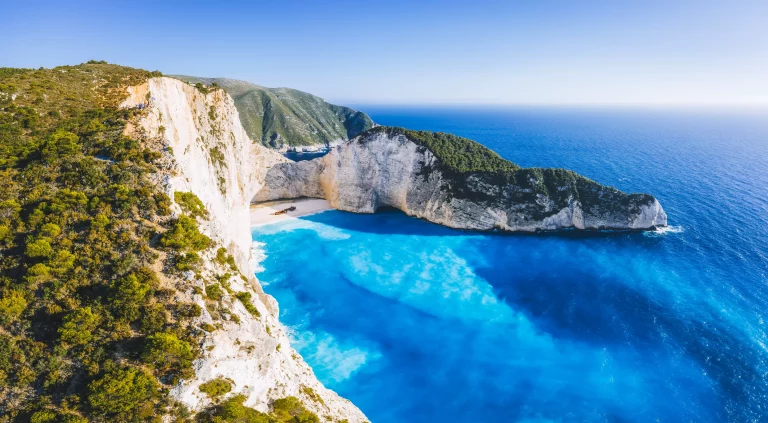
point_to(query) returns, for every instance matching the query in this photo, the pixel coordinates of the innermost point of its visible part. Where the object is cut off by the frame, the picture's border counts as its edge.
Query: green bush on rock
(216, 388)
(124, 395)
(184, 235)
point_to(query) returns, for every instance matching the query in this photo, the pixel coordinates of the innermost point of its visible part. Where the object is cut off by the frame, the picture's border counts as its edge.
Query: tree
(124, 394)
(61, 143)
(78, 326)
(167, 353)
(12, 304)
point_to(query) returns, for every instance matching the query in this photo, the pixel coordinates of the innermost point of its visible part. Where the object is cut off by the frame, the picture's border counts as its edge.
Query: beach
(262, 213)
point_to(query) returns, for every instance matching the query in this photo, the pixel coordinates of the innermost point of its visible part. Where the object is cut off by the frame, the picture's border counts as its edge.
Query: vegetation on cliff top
(89, 330)
(497, 179)
(457, 154)
(283, 116)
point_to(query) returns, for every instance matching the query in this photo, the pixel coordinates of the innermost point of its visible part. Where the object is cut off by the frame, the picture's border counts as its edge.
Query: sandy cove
(262, 213)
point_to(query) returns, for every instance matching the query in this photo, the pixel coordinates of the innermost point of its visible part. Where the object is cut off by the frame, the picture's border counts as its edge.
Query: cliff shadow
(390, 220)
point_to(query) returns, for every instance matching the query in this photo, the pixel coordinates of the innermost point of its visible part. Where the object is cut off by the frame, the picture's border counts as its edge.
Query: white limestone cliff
(379, 168)
(209, 153)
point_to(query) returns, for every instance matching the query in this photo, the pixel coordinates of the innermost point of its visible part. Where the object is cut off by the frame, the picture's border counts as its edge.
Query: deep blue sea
(414, 322)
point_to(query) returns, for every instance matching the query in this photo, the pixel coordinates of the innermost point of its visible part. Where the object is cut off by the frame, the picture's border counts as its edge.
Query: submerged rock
(458, 183)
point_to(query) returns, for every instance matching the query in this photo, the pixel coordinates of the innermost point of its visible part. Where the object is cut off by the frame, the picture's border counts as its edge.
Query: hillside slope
(283, 117)
(125, 288)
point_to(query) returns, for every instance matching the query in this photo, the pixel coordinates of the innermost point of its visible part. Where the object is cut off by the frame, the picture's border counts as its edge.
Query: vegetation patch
(216, 388)
(214, 292)
(87, 332)
(456, 154)
(190, 204)
(245, 298)
(232, 410)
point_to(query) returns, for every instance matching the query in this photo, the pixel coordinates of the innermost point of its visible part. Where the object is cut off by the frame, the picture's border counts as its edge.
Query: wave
(665, 230)
(258, 255)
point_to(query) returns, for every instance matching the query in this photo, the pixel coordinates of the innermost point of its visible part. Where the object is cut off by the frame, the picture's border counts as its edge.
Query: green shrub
(232, 410)
(12, 305)
(43, 416)
(61, 143)
(225, 258)
(216, 388)
(153, 318)
(191, 204)
(129, 293)
(169, 354)
(78, 327)
(185, 235)
(188, 261)
(214, 292)
(125, 394)
(245, 298)
(39, 248)
(290, 409)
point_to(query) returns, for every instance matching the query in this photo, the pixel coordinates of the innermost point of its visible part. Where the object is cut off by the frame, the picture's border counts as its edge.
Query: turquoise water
(418, 323)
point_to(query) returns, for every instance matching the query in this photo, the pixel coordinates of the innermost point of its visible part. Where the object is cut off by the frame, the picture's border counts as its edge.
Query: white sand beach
(262, 213)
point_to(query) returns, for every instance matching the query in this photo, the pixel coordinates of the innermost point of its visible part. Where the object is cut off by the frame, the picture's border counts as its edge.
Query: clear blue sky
(510, 52)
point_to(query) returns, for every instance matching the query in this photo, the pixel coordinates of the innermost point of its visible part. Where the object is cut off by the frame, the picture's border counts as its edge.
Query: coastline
(261, 213)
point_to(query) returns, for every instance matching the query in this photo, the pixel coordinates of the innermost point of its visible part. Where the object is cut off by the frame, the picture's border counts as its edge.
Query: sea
(414, 322)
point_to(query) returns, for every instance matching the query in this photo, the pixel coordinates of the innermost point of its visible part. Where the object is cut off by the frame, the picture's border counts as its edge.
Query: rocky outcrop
(209, 153)
(393, 167)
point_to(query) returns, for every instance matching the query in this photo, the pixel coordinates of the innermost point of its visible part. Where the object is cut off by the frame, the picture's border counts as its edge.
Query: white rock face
(381, 169)
(213, 157)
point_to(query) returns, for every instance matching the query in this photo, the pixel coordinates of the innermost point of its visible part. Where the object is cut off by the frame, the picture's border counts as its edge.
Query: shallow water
(414, 322)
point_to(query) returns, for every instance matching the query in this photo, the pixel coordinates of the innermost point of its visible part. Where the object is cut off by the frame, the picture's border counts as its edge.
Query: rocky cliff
(457, 183)
(208, 153)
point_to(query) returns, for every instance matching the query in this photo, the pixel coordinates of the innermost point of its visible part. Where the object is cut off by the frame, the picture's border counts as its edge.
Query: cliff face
(208, 152)
(391, 168)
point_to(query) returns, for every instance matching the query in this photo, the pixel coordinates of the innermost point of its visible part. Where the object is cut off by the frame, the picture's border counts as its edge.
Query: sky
(539, 52)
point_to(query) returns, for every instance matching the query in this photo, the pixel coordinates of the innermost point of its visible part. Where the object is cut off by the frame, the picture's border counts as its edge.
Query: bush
(185, 235)
(188, 261)
(12, 305)
(61, 143)
(40, 248)
(245, 298)
(125, 394)
(290, 409)
(225, 258)
(169, 354)
(78, 326)
(67, 174)
(129, 293)
(233, 411)
(216, 388)
(191, 204)
(214, 292)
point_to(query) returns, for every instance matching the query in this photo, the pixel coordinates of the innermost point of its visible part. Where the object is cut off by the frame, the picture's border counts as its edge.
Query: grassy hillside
(283, 116)
(92, 326)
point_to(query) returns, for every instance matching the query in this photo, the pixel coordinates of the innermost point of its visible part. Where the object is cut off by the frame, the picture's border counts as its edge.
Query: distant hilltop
(283, 118)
